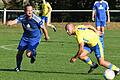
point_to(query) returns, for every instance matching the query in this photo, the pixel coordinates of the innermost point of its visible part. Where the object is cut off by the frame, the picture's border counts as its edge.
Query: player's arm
(94, 12)
(12, 22)
(93, 15)
(46, 37)
(94, 29)
(16, 21)
(108, 16)
(108, 13)
(81, 50)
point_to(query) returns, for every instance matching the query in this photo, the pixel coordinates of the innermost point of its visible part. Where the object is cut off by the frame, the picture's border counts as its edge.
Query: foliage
(67, 5)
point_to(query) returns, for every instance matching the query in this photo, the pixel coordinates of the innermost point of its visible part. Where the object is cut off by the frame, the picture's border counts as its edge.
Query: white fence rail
(5, 11)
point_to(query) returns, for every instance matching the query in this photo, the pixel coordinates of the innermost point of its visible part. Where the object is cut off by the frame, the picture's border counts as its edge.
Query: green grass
(53, 57)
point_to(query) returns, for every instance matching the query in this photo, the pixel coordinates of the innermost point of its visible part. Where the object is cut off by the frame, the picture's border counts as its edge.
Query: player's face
(29, 11)
(69, 31)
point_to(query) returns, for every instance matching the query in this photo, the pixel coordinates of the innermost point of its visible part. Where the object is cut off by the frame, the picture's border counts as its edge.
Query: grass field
(53, 56)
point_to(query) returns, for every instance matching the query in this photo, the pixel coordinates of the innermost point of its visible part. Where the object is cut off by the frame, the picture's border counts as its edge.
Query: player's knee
(101, 62)
(29, 53)
(82, 56)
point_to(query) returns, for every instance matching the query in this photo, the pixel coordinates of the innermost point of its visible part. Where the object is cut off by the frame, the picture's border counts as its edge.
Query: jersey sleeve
(94, 6)
(38, 20)
(20, 18)
(107, 6)
(41, 24)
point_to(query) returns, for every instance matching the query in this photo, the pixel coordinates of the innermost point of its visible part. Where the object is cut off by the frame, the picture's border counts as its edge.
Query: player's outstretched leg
(19, 60)
(109, 65)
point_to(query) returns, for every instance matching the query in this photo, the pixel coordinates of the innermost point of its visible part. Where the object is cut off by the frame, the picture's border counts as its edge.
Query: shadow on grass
(53, 72)
(7, 70)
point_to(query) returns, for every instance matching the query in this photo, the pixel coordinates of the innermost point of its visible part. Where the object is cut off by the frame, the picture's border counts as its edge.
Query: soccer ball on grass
(109, 74)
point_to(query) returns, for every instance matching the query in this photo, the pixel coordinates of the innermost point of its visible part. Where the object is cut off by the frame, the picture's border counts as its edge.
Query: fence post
(4, 19)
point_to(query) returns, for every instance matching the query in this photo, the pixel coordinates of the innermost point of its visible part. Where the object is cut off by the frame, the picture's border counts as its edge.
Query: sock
(102, 40)
(18, 60)
(113, 67)
(88, 61)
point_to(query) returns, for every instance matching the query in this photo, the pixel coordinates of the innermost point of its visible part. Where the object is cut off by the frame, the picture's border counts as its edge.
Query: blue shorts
(100, 23)
(97, 49)
(30, 45)
(44, 18)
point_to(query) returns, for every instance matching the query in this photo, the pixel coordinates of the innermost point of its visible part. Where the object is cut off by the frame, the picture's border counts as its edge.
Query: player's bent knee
(82, 56)
(29, 54)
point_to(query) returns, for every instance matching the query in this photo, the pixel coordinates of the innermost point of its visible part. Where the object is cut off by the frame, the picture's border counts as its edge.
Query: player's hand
(99, 33)
(46, 38)
(73, 59)
(93, 19)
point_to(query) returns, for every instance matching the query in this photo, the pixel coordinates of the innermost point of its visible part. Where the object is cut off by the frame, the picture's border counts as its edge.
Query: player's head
(28, 10)
(70, 29)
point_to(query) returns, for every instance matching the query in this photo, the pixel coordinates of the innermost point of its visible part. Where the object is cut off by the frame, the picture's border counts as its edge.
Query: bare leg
(107, 64)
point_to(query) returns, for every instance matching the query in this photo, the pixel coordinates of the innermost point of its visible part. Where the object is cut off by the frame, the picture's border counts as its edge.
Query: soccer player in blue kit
(100, 9)
(32, 34)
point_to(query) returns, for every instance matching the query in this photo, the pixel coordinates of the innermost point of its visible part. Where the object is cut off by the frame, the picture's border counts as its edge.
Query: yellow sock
(88, 61)
(115, 68)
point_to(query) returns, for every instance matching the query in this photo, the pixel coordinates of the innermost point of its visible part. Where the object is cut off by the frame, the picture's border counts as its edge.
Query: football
(109, 74)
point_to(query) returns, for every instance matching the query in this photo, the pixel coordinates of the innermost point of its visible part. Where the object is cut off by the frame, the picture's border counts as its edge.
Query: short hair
(27, 6)
(68, 24)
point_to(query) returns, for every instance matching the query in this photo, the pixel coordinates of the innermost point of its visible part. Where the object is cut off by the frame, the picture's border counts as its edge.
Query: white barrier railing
(5, 11)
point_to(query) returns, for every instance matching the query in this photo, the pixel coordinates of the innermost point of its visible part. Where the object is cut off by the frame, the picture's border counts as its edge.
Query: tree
(14, 4)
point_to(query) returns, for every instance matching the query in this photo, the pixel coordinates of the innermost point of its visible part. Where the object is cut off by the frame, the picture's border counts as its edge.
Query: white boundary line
(6, 47)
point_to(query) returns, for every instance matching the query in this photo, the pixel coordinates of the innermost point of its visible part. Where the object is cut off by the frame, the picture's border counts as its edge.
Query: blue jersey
(100, 8)
(31, 26)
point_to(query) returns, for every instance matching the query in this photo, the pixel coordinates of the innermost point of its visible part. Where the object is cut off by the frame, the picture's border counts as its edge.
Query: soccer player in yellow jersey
(88, 40)
(46, 14)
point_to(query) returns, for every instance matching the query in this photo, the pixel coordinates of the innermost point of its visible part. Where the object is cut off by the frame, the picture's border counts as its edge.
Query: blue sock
(102, 40)
(110, 66)
(88, 61)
